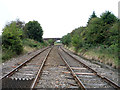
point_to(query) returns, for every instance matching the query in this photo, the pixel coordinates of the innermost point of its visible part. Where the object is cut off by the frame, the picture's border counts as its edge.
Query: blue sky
(57, 17)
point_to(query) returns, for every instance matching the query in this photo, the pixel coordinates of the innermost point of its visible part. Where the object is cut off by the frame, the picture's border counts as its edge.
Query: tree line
(16, 31)
(100, 32)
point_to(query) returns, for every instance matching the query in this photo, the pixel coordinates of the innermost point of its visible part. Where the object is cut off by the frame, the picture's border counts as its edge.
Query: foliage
(50, 41)
(15, 39)
(92, 16)
(100, 33)
(77, 40)
(66, 40)
(33, 30)
(94, 29)
(108, 17)
(7, 55)
(11, 38)
(33, 44)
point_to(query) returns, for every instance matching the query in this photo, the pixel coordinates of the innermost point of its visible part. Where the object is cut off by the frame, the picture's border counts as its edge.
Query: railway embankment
(95, 56)
(103, 69)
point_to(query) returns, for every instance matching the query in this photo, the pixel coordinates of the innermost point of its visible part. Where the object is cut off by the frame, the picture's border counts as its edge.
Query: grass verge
(98, 54)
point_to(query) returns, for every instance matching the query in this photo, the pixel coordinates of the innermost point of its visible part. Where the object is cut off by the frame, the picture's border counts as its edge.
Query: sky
(56, 17)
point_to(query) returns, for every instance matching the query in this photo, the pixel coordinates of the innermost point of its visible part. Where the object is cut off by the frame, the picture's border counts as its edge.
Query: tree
(92, 16)
(51, 41)
(108, 17)
(11, 38)
(94, 30)
(66, 40)
(33, 30)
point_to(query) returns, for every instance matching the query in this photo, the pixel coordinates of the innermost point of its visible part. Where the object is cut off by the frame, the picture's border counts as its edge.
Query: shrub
(11, 38)
(7, 55)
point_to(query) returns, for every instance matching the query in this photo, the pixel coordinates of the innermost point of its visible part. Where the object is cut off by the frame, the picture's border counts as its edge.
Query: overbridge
(54, 39)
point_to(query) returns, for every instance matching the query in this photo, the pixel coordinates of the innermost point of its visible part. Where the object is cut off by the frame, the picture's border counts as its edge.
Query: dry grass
(101, 57)
(28, 49)
(94, 54)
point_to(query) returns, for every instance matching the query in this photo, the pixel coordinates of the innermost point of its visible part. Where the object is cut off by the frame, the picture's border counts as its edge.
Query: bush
(77, 41)
(11, 39)
(7, 55)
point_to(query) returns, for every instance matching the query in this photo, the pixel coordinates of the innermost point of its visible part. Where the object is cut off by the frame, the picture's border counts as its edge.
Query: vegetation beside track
(98, 40)
(19, 38)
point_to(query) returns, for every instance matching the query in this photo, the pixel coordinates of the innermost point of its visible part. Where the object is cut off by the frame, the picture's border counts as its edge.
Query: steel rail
(73, 73)
(22, 64)
(40, 70)
(104, 78)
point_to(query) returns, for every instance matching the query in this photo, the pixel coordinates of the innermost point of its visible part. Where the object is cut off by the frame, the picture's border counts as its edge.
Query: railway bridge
(54, 39)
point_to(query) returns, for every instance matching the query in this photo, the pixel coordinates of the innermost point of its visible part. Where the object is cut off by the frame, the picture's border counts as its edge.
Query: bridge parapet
(52, 39)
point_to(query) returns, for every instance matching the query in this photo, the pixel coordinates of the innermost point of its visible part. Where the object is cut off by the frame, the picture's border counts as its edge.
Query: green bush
(7, 55)
(77, 42)
(11, 39)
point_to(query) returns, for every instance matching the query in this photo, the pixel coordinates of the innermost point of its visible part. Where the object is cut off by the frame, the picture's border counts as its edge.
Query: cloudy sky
(57, 17)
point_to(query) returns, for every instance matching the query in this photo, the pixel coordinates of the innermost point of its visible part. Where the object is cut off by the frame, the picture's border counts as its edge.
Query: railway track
(29, 74)
(23, 75)
(51, 73)
(53, 67)
(85, 76)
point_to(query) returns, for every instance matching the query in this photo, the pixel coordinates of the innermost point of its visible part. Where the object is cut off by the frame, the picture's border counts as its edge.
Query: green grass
(56, 43)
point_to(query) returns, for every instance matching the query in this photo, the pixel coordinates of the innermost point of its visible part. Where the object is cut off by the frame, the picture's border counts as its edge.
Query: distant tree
(33, 30)
(66, 40)
(50, 41)
(94, 34)
(20, 24)
(108, 17)
(92, 16)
